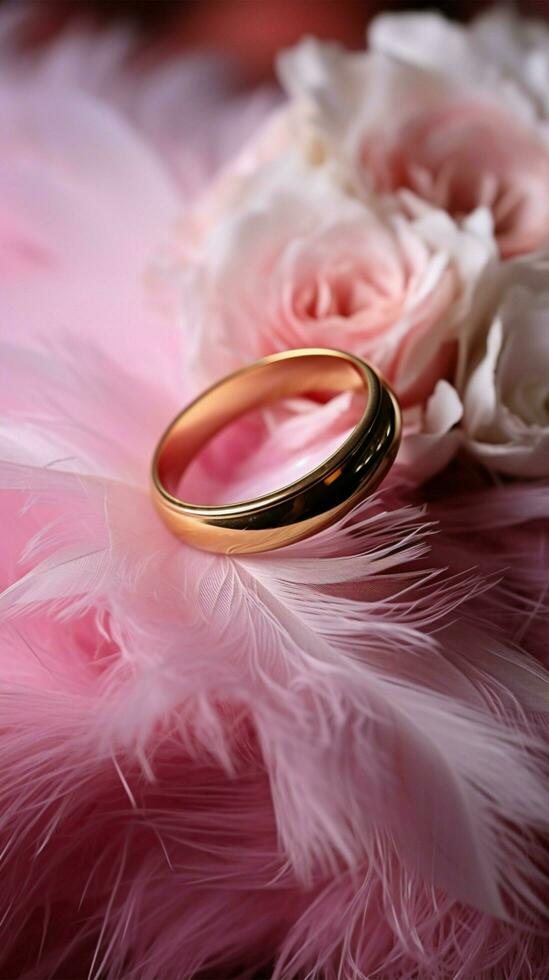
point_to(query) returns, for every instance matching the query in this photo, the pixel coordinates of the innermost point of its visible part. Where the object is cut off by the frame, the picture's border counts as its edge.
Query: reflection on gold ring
(314, 501)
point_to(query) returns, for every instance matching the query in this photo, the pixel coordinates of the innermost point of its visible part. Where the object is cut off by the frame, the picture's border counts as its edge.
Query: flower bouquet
(328, 760)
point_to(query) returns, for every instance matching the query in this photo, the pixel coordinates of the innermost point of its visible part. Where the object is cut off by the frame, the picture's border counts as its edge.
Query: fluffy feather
(345, 674)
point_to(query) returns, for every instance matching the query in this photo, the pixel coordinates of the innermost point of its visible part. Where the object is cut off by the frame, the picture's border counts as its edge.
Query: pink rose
(459, 140)
(305, 265)
(462, 155)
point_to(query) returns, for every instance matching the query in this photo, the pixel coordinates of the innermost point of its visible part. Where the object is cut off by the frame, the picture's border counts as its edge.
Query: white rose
(508, 53)
(431, 436)
(506, 394)
(428, 111)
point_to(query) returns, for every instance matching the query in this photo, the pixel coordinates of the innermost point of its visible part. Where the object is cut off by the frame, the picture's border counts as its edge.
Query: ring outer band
(296, 511)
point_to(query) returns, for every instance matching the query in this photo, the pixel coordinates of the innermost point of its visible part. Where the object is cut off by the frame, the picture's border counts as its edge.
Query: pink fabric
(327, 761)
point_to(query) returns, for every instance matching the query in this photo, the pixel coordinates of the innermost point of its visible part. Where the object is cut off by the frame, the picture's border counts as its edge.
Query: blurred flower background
(251, 31)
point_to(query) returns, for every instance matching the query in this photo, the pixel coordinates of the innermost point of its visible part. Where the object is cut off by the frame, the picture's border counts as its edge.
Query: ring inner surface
(260, 385)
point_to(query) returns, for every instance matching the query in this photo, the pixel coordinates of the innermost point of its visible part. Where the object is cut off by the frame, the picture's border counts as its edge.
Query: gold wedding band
(314, 501)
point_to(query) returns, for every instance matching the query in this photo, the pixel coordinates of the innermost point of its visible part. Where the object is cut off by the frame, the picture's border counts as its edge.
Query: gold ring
(302, 508)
